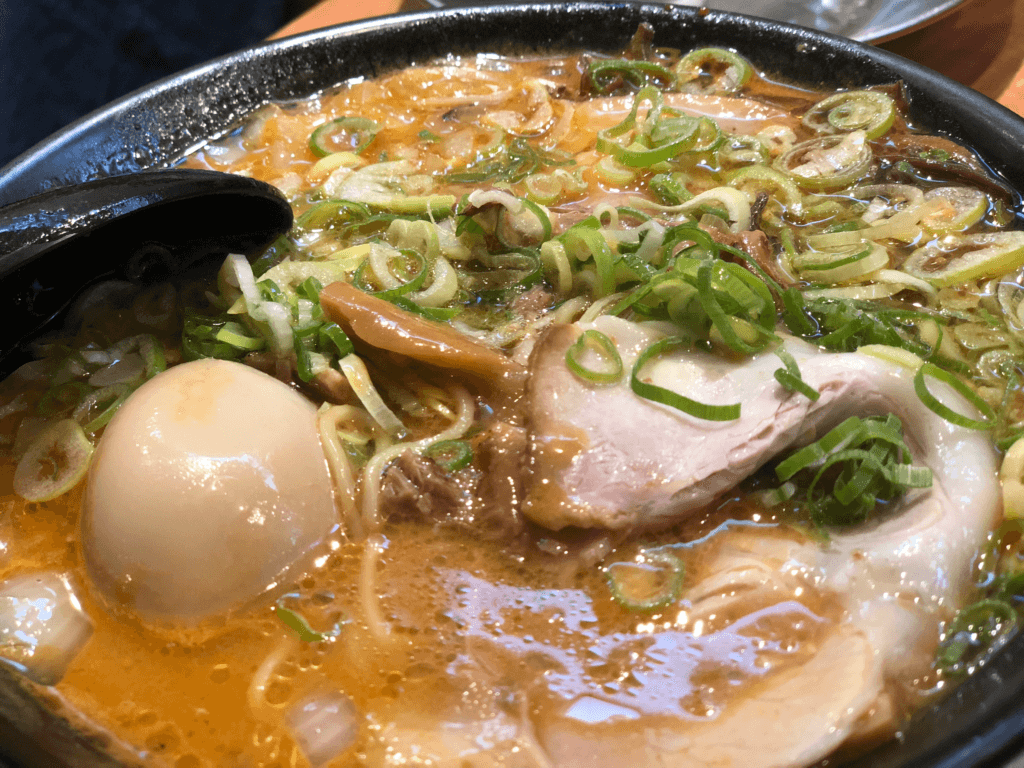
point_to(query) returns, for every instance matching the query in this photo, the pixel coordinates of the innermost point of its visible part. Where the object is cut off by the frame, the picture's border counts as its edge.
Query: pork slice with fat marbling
(601, 456)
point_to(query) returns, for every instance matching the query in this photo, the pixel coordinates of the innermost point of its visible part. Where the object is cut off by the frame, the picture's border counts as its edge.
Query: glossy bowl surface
(982, 722)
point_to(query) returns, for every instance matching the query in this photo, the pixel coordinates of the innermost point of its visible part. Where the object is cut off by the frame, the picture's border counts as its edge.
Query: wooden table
(981, 44)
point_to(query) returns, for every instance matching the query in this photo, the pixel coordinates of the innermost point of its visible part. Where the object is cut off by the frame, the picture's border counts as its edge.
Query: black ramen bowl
(982, 722)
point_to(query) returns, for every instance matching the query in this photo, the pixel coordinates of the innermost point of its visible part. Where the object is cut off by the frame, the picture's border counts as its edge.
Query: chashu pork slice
(793, 720)
(601, 456)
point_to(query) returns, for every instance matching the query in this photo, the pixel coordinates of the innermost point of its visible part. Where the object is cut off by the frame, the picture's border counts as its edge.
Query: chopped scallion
(600, 345)
(298, 625)
(974, 634)
(844, 475)
(451, 455)
(988, 419)
(654, 580)
(790, 378)
(668, 397)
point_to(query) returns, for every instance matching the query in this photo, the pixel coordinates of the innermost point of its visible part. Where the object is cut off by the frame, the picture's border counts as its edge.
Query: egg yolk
(207, 486)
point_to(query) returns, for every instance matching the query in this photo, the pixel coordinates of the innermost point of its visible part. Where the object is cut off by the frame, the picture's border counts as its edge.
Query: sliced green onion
(654, 580)
(295, 622)
(611, 171)
(670, 188)
(988, 419)
(235, 335)
(511, 162)
(961, 207)
(509, 274)
(744, 150)
(605, 72)
(351, 134)
(790, 378)
(406, 283)
(530, 209)
(795, 314)
(659, 138)
(753, 303)
(841, 265)
(583, 242)
(331, 213)
(976, 632)
(303, 358)
(870, 111)
(438, 314)
(56, 460)
(451, 455)
(153, 356)
(814, 453)
(712, 70)
(912, 477)
(310, 289)
(866, 460)
(760, 178)
(595, 342)
(269, 291)
(664, 396)
(118, 394)
(957, 259)
(775, 496)
(543, 188)
(435, 206)
(830, 162)
(335, 339)
(62, 398)
(199, 338)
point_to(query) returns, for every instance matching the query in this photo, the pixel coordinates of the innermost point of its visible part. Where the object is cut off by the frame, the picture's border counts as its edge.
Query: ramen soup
(595, 412)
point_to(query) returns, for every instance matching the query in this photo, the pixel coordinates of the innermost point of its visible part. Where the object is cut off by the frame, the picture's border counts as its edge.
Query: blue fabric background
(60, 60)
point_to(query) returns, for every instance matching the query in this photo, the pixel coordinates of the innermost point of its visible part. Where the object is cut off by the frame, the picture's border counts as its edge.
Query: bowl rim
(984, 717)
(79, 152)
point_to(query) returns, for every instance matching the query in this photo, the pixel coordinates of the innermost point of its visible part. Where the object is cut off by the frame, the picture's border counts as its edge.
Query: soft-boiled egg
(207, 486)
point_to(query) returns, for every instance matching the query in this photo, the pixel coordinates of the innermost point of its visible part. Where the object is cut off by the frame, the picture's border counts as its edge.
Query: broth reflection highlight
(658, 403)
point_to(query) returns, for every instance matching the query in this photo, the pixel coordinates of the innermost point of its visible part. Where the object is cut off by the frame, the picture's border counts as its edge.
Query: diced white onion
(241, 270)
(279, 319)
(305, 311)
(325, 726)
(42, 626)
